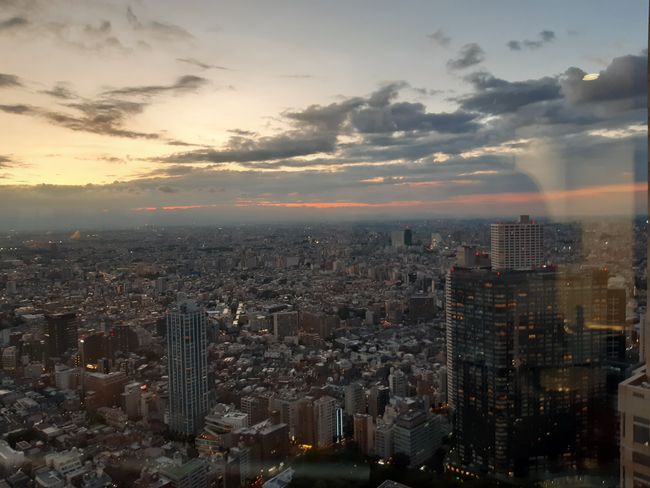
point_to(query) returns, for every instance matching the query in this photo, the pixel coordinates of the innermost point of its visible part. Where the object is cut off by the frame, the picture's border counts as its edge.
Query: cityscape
(298, 244)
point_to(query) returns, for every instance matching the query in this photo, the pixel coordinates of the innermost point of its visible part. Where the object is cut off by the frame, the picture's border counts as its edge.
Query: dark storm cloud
(624, 78)
(8, 81)
(496, 96)
(544, 37)
(469, 55)
(187, 83)
(440, 38)
(199, 64)
(13, 23)
(162, 30)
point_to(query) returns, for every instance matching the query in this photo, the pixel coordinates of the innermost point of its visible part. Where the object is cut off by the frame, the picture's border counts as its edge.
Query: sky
(119, 113)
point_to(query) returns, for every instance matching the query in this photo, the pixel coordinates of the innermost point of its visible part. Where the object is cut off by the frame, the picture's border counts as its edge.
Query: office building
(416, 435)
(187, 362)
(529, 356)
(60, 333)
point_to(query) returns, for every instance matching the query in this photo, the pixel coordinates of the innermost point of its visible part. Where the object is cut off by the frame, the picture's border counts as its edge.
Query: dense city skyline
(120, 113)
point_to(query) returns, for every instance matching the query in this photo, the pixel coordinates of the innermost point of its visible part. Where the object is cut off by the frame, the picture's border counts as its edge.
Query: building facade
(528, 359)
(187, 362)
(634, 413)
(517, 245)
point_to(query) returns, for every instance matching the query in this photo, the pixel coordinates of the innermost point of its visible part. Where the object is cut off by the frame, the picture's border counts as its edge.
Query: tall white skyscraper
(517, 245)
(187, 361)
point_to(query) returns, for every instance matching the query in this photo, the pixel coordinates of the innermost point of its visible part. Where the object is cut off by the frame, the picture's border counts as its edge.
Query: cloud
(440, 38)
(61, 91)
(161, 30)
(243, 150)
(7, 162)
(187, 83)
(315, 130)
(103, 29)
(9, 81)
(344, 152)
(83, 37)
(104, 118)
(406, 116)
(544, 37)
(496, 96)
(13, 23)
(16, 109)
(326, 118)
(241, 132)
(469, 55)
(107, 114)
(199, 64)
(624, 78)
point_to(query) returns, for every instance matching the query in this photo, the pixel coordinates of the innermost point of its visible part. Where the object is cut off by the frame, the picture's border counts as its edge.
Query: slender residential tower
(187, 362)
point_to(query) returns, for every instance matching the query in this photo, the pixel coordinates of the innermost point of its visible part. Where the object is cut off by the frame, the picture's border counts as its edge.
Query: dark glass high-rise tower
(528, 355)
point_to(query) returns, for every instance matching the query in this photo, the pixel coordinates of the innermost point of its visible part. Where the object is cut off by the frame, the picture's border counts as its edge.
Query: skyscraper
(187, 362)
(517, 245)
(528, 354)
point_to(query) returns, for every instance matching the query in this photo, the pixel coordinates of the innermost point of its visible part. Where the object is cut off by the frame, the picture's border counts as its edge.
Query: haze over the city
(123, 113)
